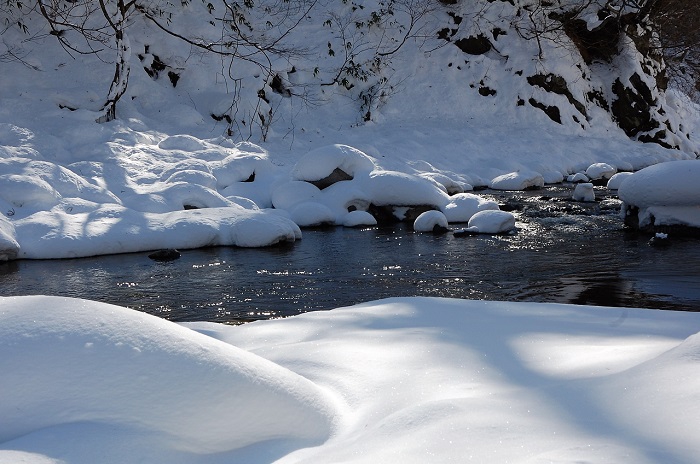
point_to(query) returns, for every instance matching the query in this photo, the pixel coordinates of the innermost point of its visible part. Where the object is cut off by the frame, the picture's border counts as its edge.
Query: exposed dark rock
(486, 91)
(337, 175)
(474, 45)
(277, 86)
(600, 43)
(390, 214)
(250, 178)
(632, 108)
(556, 84)
(551, 111)
(188, 207)
(174, 78)
(167, 254)
(438, 229)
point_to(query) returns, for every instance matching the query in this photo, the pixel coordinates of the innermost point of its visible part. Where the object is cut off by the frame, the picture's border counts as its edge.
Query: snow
(667, 194)
(600, 171)
(463, 206)
(617, 179)
(491, 222)
(429, 220)
(518, 181)
(401, 380)
(409, 380)
(584, 192)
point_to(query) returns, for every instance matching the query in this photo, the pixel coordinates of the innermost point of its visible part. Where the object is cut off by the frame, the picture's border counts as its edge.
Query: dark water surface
(563, 252)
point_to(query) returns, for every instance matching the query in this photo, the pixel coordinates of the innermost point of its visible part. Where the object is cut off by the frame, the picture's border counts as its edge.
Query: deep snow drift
(400, 380)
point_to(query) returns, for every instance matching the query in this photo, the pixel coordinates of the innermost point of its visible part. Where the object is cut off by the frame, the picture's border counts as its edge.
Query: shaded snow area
(402, 380)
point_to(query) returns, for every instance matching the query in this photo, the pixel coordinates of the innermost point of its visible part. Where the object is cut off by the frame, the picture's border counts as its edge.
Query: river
(562, 252)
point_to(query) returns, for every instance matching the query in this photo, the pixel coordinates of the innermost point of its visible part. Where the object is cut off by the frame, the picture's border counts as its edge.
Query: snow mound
(584, 192)
(290, 194)
(665, 194)
(396, 188)
(519, 180)
(321, 162)
(359, 218)
(429, 220)
(181, 142)
(600, 171)
(66, 360)
(617, 179)
(311, 213)
(463, 206)
(9, 248)
(115, 229)
(491, 222)
(672, 183)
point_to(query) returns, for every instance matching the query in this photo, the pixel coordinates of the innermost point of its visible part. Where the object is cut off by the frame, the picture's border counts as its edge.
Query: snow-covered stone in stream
(359, 218)
(491, 222)
(321, 162)
(9, 248)
(396, 188)
(448, 184)
(617, 179)
(311, 213)
(577, 177)
(584, 192)
(518, 180)
(230, 397)
(600, 171)
(666, 194)
(430, 221)
(289, 194)
(463, 206)
(552, 177)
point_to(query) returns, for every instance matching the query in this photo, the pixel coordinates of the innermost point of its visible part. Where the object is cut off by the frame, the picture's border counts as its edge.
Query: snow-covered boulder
(450, 185)
(323, 163)
(385, 188)
(289, 194)
(600, 171)
(665, 194)
(359, 218)
(102, 364)
(491, 222)
(518, 180)
(617, 179)
(9, 248)
(430, 221)
(577, 178)
(584, 192)
(312, 214)
(463, 206)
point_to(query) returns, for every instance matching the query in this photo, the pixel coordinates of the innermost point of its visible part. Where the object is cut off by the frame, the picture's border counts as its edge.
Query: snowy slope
(401, 380)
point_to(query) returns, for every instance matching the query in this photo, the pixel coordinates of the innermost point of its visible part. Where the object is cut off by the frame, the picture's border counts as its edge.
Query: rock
(167, 254)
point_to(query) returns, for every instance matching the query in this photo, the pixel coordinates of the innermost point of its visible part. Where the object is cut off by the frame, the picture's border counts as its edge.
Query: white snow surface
(667, 193)
(66, 180)
(491, 222)
(409, 380)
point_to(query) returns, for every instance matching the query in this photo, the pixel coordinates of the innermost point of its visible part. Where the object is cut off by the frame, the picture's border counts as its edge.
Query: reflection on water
(563, 252)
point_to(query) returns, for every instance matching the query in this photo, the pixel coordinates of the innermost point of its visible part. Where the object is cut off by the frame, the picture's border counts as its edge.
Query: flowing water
(563, 252)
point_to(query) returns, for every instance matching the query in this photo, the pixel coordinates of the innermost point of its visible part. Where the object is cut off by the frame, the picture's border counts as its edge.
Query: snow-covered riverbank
(402, 380)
